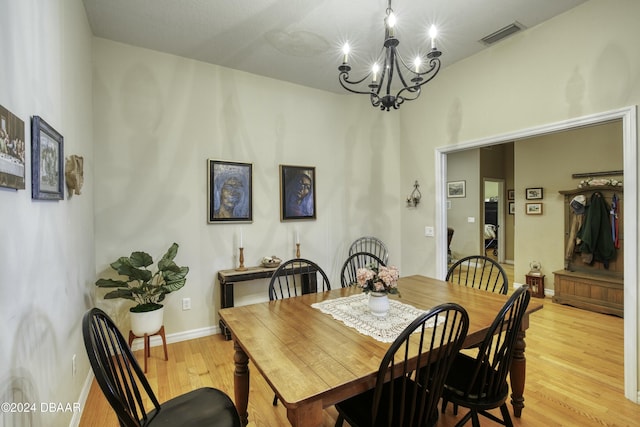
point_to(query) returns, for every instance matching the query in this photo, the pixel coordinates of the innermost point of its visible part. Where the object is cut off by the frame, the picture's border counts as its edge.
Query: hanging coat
(597, 242)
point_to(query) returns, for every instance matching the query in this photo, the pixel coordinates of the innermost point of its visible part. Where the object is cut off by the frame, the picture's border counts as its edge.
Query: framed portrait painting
(297, 192)
(229, 191)
(12, 151)
(47, 157)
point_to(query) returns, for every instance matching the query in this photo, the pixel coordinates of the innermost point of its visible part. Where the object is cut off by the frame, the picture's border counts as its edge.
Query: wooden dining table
(313, 361)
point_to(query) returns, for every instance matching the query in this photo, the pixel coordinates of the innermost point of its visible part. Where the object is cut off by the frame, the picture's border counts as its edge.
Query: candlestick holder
(241, 267)
(297, 250)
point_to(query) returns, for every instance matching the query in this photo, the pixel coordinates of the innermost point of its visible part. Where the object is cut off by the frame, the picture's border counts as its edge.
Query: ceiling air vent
(502, 33)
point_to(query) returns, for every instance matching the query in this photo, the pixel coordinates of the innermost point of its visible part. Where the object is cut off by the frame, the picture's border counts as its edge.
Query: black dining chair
(370, 244)
(480, 382)
(425, 349)
(480, 272)
(297, 276)
(126, 388)
(349, 271)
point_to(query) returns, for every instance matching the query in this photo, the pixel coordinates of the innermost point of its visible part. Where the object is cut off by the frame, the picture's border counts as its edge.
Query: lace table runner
(354, 312)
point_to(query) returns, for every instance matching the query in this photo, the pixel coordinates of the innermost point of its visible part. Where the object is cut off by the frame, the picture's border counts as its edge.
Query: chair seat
(458, 382)
(202, 407)
(357, 410)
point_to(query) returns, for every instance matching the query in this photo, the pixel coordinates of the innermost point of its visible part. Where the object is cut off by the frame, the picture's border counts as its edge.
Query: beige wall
(558, 70)
(160, 117)
(548, 162)
(46, 252)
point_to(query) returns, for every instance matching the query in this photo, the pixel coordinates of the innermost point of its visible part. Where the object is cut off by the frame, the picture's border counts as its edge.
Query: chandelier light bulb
(391, 20)
(416, 63)
(345, 50)
(433, 33)
(375, 69)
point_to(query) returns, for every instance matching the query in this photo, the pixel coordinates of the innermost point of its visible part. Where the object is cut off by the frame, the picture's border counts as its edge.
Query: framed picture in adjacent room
(229, 191)
(456, 189)
(512, 208)
(534, 208)
(47, 161)
(534, 193)
(297, 192)
(511, 194)
(12, 150)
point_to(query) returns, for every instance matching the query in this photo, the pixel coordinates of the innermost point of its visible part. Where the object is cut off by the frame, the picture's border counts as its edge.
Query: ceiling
(300, 41)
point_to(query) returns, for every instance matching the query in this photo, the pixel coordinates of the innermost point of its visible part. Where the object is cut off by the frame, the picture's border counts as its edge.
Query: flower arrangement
(595, 182)
(378, 279)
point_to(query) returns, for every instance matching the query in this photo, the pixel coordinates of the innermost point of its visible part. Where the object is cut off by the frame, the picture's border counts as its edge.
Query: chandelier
(383, 91)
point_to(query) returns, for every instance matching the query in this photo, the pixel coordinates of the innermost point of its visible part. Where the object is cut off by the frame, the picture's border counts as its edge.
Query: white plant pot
(148, 322)
(378, 303)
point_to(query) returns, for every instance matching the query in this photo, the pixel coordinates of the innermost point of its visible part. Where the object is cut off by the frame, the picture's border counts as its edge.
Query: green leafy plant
(145, 287)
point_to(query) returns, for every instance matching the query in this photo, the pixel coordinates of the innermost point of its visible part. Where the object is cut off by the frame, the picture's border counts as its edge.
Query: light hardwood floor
(574, 375)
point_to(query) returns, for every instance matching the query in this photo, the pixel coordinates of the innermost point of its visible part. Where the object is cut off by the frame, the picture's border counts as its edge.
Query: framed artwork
(297, 192)
(47, 157)
(534, 193)
(229, 191)
(534, 209)
(456, 189)
(512, 208)
(12, 151)
(511, 195)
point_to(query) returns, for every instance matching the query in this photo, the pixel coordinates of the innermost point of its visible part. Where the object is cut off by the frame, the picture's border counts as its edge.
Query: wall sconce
(414, 197)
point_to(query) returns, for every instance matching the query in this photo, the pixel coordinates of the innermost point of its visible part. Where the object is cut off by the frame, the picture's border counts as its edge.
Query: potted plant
(147, 288)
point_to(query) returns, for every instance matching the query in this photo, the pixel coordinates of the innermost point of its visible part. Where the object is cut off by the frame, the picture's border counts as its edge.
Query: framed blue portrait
(229, 191)
(297, 192)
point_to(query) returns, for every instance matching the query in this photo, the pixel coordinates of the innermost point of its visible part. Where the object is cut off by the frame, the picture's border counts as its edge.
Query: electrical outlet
(73, 365)
(186, 304)
(429, 231)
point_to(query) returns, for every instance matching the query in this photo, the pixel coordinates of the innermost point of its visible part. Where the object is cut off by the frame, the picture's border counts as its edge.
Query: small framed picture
(297, 192)
(12, 149)
(512, 208)
(534, 208)
(511, 194)
(229, 191)
(47, 157)
(456, 189)
(534, 193)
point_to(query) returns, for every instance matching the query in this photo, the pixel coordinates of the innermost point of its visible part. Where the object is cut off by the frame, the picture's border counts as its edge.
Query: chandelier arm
(343, 78)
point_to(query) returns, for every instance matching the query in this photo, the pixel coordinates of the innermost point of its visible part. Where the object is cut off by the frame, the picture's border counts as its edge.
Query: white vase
(148, 322)
(378, 303)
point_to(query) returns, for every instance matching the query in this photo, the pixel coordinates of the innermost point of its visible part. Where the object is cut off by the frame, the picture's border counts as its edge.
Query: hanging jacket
(597, 242)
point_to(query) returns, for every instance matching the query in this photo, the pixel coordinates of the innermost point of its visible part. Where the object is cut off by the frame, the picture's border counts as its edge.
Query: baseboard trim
(155, 340)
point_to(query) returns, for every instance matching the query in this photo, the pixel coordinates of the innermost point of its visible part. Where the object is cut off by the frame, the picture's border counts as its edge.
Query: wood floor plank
(574, 375)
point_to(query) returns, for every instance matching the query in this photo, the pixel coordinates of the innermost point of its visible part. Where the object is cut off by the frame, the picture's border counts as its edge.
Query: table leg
(519, 369)
(241, 383)
(309, 415)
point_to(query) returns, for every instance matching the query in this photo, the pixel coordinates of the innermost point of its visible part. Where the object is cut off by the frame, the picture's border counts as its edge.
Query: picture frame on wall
(533, 209)
(12, 150)
(512, 208)
(229, 191)
(456, 189)
(534, 193)
(297, 192)
(47, 161)
(511, 194)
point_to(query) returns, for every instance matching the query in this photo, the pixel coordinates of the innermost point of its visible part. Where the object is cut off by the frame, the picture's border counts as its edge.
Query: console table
(228, 278)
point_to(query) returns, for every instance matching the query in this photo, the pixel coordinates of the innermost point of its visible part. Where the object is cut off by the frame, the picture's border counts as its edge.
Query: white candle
(345, 50)
(241, 244)
(433, 33)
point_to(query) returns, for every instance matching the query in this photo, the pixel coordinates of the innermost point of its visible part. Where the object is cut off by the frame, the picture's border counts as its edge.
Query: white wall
(160, 117)
(46, 247)
(558, 70)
